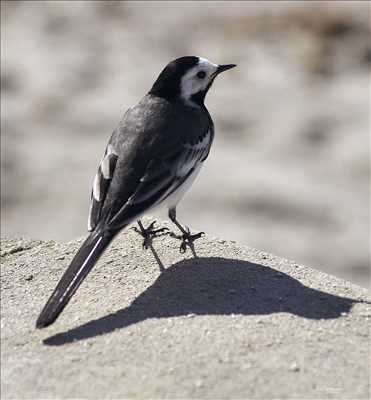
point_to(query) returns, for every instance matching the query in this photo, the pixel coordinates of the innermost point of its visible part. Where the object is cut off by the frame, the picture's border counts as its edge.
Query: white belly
(174, 198)
(171, 201)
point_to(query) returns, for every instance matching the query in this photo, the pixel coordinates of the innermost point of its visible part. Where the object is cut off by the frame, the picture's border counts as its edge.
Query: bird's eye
(201, 74)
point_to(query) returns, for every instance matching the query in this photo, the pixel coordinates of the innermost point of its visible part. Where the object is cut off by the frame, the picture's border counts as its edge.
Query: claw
(183, 247)
(146, 242)
(159, 230)
(151, 225)
(175, 236)
(149, 233)
(187, 239)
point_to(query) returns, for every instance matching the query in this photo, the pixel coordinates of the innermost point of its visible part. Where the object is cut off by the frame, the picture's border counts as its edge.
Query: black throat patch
(199, 97)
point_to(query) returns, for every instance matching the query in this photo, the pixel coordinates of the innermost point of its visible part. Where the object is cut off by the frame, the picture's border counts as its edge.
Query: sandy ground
(234, 323)
(289, 171)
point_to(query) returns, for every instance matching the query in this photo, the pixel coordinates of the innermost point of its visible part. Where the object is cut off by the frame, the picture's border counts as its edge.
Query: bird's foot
(149, 233)
(187, 239)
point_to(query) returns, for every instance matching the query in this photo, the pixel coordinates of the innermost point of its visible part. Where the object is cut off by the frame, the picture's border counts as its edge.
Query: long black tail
(79, 268)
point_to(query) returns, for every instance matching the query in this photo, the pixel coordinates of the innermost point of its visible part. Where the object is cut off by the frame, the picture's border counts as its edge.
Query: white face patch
(191, 84)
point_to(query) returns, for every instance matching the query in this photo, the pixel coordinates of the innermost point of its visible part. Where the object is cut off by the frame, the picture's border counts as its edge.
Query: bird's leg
(186, 236)
(148, 233)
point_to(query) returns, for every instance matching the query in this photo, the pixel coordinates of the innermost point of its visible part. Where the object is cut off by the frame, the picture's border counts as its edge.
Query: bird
(151, 160)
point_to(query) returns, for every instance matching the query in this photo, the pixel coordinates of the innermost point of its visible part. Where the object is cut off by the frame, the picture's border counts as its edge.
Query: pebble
(294, 367)
(246, 366)
(199, 383)
(14, 249)
(29, 277)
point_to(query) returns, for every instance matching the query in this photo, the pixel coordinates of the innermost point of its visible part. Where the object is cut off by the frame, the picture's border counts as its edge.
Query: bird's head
(187, 79)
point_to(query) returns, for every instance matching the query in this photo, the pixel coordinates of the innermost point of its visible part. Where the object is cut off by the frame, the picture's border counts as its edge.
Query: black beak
(225, 67)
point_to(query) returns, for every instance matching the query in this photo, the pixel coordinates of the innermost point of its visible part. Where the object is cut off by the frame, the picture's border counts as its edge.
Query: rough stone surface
(233, 323)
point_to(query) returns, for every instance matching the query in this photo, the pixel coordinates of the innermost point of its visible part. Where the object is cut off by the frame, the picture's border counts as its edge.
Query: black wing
(101, 184)
(152, 152)
(163, 176)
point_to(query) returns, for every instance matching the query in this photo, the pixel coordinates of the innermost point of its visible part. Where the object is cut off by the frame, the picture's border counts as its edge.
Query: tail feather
(81, 265)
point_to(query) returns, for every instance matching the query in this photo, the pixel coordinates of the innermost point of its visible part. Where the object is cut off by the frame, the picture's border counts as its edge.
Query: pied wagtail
(152, 158)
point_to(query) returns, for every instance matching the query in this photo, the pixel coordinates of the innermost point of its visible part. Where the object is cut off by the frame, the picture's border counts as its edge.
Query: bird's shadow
(215, 286)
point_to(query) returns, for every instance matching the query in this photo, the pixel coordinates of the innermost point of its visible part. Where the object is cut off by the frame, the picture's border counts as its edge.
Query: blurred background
(289, 170)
